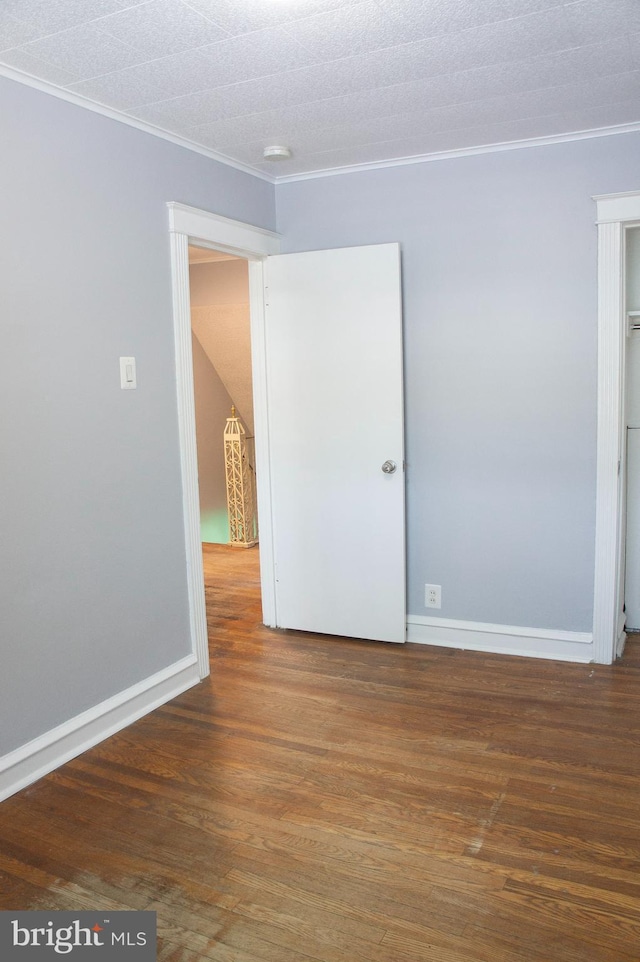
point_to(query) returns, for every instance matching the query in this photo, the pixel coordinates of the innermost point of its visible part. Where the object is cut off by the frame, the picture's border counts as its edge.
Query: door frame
(615, 214)
(188, 225)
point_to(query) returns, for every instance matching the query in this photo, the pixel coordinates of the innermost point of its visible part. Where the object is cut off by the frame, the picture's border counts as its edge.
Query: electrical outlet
(433, 596)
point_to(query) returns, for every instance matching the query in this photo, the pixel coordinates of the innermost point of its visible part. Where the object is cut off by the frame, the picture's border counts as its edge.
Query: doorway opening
(224, 417)
(223, 385)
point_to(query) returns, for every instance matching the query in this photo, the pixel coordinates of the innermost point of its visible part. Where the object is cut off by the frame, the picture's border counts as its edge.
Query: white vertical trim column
(610, 410)
(188, 451)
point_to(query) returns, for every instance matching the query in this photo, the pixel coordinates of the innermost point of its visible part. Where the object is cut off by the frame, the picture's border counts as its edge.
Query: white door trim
(615, 213)
(187, 224)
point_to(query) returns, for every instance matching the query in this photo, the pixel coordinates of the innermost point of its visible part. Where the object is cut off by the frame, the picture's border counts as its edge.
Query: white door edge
(614, 214)
(190, 225)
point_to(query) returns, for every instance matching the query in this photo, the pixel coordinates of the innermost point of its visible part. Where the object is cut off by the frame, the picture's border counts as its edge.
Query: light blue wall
(500, 296)
(92, 564)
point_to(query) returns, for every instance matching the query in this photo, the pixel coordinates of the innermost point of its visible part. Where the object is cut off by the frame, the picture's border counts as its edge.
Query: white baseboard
(501, 639)
(39, 757)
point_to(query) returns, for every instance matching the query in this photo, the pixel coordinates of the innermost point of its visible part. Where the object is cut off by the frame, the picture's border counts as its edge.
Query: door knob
(389, 467)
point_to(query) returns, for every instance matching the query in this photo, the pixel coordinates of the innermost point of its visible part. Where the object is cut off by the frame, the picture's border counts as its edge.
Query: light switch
(128, 373)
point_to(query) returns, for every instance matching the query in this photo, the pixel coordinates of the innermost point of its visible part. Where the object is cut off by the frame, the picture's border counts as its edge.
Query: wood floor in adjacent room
(327, 800)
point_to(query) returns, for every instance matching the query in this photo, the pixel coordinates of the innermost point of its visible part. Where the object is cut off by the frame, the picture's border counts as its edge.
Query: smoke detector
(277, 153)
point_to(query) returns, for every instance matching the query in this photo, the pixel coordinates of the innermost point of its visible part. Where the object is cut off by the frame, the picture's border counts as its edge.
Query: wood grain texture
(329, 800)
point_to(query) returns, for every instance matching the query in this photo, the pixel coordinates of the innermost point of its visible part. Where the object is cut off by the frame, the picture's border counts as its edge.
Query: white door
(335, 414)
(632, 572)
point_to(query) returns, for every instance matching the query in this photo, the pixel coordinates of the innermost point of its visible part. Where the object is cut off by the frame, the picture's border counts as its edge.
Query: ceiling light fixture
(277, 153)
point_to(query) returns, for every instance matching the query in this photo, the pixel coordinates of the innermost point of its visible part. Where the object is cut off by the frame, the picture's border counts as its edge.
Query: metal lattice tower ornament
(240, 496)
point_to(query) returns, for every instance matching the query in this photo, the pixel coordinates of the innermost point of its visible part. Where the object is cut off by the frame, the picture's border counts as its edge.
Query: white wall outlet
(433, 596)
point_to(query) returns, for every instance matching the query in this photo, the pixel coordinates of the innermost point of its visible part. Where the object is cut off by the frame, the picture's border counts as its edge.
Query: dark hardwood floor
(328, 800)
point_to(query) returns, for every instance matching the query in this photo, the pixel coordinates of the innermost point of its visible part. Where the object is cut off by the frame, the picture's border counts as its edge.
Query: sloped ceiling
(341, 82)
(223, 332)
(221, 322)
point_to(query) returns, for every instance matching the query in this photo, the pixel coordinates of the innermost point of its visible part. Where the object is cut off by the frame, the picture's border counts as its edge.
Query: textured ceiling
(342, 82)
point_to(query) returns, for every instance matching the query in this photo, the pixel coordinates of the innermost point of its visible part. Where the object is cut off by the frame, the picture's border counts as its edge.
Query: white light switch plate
(128, 373)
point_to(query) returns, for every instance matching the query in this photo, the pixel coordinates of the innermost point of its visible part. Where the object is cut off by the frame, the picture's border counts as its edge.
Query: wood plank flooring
(329, 800)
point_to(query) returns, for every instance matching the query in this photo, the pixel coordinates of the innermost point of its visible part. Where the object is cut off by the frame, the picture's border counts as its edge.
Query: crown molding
(79, 101)
(463, 152)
